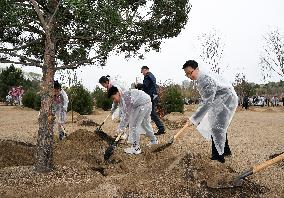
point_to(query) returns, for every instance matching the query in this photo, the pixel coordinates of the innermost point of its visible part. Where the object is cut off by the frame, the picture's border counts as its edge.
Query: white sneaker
(153, 142)
(133, 150)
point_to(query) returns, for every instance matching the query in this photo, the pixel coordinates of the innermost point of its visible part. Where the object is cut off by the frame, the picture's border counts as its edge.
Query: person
(246, 102)
(150, 87)
(107, 83)
(273, 101)
(9, 99)
(135, 106)
(60, 105)
(215, 112)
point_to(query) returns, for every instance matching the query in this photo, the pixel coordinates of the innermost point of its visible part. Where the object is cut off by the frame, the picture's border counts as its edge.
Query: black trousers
(215, 154)
(155, 117)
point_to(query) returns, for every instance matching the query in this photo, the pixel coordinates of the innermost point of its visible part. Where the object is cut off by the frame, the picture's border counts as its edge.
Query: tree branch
(21, 63)
(20, 48)
(54, 13)
(40, 15)
(77, 64)
(32, 61)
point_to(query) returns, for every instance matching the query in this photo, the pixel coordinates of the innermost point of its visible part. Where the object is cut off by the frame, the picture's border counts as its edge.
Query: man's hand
(188, 123)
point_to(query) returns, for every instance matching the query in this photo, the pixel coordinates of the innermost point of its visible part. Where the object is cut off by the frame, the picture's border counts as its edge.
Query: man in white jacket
(60, 105)
(215, 112)
(135, 106)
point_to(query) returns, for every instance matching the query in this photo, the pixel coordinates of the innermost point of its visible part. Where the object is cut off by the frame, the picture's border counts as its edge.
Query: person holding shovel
(107, 82)
(213, 116)
(135, 106)
(60, 105)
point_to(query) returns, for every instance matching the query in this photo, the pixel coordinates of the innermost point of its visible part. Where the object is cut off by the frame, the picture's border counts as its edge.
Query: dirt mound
(16, 153)
(175, 120)
(200, 172)
(163, 174)
(180, 176)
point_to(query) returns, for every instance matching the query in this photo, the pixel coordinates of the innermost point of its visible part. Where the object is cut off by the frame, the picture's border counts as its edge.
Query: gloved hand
(189, 123)
(122, 132)
(65, 108)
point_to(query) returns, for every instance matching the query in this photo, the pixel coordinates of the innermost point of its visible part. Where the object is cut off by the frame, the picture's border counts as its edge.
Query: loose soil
(181, 170)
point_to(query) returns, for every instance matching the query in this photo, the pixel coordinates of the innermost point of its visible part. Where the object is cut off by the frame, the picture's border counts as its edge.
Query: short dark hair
(190, 63)
(145, 67)
(56, 85)
(112, 91)
(104, 79)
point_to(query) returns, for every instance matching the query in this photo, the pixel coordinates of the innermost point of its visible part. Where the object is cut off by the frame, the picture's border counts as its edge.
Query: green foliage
(81, 25)
(102, 101)
(172, 99)
(12, 76)
(37, 102)
(80, 100)
(9, 77)
(31, 99)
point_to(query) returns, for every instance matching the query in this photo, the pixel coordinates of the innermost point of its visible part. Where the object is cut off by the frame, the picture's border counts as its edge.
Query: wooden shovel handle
(106, 118)
(180, 131)
(267, 163)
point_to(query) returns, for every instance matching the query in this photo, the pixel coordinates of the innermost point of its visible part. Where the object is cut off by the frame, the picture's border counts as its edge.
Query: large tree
(66, 34)
(272, 56)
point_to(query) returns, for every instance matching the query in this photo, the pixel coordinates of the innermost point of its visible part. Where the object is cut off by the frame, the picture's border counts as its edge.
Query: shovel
(100, 127)
(230, 181)
(110, 149)
(171, 141)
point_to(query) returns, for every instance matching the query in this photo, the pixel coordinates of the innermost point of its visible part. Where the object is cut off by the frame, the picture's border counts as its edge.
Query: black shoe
(227, 153)
(160, 132)
(219, 159)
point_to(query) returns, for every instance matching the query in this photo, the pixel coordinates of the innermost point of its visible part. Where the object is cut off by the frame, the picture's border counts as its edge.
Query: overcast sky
(241, 25)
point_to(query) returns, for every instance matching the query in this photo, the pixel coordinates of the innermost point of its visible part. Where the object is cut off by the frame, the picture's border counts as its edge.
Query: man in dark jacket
(150, 87)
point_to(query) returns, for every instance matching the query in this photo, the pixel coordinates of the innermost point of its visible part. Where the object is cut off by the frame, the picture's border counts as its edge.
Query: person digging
(60, 105)
(135, 106)
(215, 112)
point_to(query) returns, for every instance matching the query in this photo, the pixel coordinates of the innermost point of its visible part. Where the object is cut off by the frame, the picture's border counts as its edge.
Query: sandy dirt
(180, 170)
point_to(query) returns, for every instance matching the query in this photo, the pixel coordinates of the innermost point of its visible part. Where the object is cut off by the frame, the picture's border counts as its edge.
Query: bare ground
(180, 170)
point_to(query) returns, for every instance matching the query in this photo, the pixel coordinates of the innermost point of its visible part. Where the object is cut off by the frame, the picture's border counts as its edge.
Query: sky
(240, 24)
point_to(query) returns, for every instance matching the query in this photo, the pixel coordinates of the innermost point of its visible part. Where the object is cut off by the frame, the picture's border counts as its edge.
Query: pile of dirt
(16, 153)
(79, 157)
(175, 120)
(179, 176)
(82, 149)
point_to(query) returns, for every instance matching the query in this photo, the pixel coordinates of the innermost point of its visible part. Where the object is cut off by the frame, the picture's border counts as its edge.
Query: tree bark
(44, 154)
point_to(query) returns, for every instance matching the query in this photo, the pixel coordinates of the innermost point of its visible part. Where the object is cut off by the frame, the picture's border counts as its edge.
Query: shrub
(80, 99)
(37, 102)
(171, 99)
(29, 98)
(102, 101)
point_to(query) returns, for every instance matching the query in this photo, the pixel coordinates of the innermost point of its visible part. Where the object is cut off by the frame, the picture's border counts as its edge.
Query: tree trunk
(44, 154)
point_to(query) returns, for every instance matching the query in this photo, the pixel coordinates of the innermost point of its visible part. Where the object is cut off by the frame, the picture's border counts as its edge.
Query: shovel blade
(224, 181)
(109, 152)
